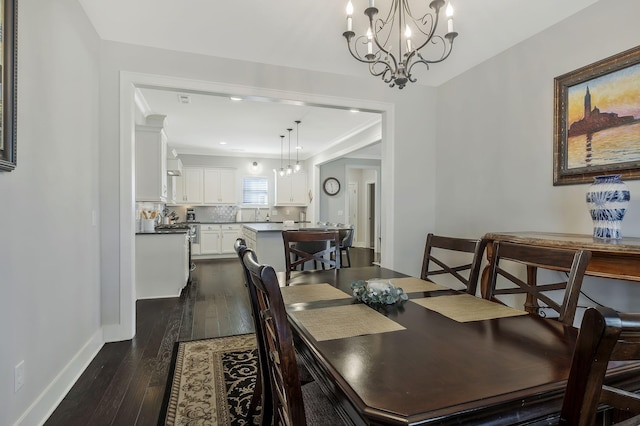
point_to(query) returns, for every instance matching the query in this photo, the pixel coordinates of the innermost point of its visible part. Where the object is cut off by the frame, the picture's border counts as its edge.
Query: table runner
(413, 285)
(466, 308)
(311, 293)
(338, 322)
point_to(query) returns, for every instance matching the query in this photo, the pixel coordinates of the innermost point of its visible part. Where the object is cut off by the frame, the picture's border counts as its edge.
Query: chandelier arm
(426, 20)
(417, 61)
(354, 52)
(380, 24)
(387, 68)
(445, 54)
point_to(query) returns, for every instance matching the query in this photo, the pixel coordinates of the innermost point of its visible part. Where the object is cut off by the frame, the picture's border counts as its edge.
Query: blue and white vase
(608, 198)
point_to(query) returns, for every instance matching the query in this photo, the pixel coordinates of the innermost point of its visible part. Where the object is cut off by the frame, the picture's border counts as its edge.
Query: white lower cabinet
(218, 239)
(209, 239)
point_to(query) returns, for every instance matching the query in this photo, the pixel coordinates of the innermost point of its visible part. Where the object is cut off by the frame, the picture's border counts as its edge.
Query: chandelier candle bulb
(449, 13)
(370, 3)
(407, 34)
(349, 16)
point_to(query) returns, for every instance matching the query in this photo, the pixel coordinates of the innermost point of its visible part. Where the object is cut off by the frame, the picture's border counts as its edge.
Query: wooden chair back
(283, 370)
(605, 335)
(438, 245)
(304, 246)
(262, 393)
(572, 262)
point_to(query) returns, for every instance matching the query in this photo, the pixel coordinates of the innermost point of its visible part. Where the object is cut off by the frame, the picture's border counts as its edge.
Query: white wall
(49, 255)
(495, 137)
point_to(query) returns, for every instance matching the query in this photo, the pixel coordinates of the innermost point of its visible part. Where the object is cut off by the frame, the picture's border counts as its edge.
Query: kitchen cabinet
(151, 160)
(162, 265)
(189, 186)
(291, 190)
(210, 239)
(171, 190)
(220, 186)
(218, 239)
(206, 186)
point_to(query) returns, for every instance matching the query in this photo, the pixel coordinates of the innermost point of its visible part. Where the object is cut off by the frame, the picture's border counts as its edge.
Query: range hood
(174, 167)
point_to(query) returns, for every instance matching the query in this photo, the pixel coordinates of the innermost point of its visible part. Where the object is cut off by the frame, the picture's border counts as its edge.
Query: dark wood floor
(125, 383)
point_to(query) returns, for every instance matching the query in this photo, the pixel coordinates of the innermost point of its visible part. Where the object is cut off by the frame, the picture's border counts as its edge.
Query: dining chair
(605, 335)
(301, 247)
(345, 234)
(438, 247)
(262, 391)
(573, 263)
(293, 403)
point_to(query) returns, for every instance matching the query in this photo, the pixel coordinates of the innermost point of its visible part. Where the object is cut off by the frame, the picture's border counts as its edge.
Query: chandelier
(393, 58)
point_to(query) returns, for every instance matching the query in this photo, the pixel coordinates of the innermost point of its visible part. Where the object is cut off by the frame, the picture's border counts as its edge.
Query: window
(255, 190)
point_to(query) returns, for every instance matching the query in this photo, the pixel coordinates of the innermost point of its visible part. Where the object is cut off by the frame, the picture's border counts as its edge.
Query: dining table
(440, 357)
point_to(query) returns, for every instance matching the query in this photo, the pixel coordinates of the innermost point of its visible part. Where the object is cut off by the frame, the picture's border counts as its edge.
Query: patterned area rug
(213, 382)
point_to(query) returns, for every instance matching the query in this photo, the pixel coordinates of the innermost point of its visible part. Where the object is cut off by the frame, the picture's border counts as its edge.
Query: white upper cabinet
(151, 160)
(189, 186)
(220, 186)
(206, 186)
(291, 190)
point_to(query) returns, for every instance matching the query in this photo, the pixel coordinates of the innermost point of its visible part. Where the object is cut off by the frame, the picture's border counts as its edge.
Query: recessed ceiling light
(235, 98)
(185, 99)
(299, 147)
(354, 110)
(223, 143)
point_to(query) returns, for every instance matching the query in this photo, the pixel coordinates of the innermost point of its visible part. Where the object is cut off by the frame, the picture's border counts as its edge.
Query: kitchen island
(266, 240)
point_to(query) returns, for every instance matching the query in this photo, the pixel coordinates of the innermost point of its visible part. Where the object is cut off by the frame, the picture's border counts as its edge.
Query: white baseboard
(50, 398)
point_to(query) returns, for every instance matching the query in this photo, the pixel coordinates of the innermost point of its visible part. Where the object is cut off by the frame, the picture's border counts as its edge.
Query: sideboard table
(617, 259)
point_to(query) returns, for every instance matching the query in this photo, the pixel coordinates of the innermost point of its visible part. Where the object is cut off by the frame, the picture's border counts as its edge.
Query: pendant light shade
(298, 167)
(281, 153)
(289, 168)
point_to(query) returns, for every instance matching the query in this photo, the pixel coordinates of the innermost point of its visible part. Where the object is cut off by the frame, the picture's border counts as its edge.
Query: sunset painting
(603, 120)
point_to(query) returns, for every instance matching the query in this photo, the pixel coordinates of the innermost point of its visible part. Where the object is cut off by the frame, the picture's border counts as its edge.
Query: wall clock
(331, 186)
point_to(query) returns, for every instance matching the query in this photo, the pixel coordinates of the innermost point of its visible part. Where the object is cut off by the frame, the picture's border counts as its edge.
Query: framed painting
(597, 120)
(8, 79)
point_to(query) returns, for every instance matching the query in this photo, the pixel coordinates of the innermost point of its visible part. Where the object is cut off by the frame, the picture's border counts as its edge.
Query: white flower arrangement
(377, 291)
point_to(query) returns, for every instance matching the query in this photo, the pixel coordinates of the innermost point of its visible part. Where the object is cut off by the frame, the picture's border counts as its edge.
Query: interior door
(353, 208)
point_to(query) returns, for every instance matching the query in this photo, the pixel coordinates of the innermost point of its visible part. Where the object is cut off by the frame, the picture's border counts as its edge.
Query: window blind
(255, 190)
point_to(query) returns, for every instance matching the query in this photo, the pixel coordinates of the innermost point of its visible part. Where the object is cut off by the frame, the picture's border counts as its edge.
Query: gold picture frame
(597, 120)
(8, 75)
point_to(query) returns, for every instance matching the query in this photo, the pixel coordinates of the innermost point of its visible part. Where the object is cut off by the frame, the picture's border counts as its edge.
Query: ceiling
(298, 34)
(207, 124)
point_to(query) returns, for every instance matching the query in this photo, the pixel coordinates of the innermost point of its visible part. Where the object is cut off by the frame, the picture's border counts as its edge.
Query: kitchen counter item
(148, 225)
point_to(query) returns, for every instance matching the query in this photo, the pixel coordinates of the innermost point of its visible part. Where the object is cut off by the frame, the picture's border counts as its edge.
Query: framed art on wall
(8, 79)
(597, 120)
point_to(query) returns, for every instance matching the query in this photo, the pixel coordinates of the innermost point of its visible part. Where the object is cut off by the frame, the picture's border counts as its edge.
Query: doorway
(371, 215)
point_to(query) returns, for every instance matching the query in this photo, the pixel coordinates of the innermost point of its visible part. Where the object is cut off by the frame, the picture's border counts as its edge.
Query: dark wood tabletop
(502, 371)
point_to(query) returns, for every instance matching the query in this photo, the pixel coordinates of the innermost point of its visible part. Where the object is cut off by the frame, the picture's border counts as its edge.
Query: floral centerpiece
(377, 292)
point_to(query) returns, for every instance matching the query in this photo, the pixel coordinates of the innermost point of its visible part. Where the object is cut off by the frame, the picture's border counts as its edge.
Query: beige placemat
(465, 307)
(311, 292)
(412, 285)
(338, 322)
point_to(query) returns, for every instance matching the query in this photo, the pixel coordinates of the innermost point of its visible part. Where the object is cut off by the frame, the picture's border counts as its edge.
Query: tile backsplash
(228, 213)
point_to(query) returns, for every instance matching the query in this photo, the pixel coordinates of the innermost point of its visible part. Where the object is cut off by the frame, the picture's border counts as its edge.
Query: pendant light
(281, 153)
(289, 168)
(298, 166)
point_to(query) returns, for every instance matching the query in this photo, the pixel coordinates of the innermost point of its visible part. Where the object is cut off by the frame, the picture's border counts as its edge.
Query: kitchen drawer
(209, 228)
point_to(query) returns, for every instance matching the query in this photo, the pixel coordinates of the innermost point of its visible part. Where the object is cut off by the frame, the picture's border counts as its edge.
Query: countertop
(210, 222)
(164, 232)
(279, 226)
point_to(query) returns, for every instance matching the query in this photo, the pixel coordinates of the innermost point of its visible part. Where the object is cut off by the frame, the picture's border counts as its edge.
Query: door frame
(131, 81)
